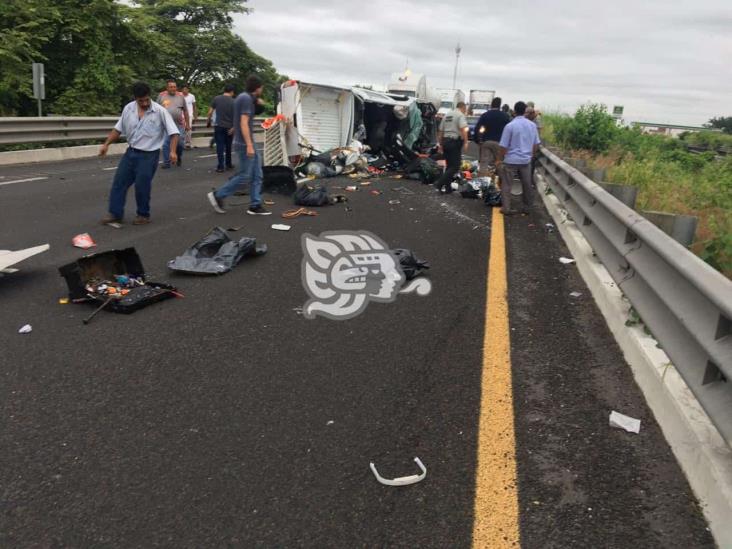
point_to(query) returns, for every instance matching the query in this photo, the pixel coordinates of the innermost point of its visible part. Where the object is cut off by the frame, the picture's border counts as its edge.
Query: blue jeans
(249, 171)
(178, 148)
(135, 168)
(223, 146)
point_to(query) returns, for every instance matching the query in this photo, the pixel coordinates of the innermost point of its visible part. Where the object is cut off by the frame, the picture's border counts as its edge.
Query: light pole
(457, 60)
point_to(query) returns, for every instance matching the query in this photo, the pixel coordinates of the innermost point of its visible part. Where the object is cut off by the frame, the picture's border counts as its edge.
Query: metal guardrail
(20, 130)
(685, 303)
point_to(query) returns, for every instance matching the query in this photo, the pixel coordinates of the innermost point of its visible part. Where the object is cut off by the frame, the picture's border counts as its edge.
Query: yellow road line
(495, 510)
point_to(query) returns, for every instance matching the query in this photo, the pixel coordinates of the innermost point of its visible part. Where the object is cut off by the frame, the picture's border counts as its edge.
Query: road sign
(39, 85)
(618, 110)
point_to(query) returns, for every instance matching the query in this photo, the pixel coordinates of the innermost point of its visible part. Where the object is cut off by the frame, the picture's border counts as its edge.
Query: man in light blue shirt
(519, 143)
(146, 125)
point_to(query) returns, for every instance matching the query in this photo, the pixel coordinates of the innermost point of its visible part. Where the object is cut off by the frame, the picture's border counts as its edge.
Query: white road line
(107, 169)
(206, 156)
(21, 180)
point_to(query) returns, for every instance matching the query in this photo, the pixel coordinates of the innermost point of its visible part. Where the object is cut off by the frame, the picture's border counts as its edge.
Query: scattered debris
(234, 229)
(393, 202)
(365, 183)
(566, 260)
(297, 212)
(403, 190)
(410, 264)
(306, 195)
(216, 253)
(63, 301)
(575, 294)
(114, 225)
(375, 192)
(269, 202)
(401, 481)
(620, 421)
(26, 329)
(83, 241)
(281, 227)
(352, 188)
(330, 422)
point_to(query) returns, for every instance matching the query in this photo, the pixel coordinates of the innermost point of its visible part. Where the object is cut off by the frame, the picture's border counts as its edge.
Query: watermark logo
(343, 271)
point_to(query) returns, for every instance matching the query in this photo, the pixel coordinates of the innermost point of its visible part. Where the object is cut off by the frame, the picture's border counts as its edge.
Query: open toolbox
(114, 279)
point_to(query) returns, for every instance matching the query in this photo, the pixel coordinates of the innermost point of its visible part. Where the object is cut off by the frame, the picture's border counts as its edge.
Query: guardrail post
(679, 227)
(627, 194)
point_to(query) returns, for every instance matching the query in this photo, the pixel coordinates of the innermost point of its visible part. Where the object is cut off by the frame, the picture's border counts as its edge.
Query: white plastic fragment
(401, 481)
(575, 294)
(620, 421)
(26, 329)
(280, 227)
(566, 260)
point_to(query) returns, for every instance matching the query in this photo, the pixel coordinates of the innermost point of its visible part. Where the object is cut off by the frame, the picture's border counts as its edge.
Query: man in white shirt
(146, 125)
(192, 113)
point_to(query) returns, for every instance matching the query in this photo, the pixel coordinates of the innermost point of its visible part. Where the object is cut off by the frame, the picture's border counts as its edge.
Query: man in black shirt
(488, 132)
(223, 106)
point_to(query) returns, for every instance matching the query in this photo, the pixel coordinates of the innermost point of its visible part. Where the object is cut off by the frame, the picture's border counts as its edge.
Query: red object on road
(83, 241)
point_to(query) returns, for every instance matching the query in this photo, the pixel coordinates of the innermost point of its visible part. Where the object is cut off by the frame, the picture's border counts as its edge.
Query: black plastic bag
(306, 195)
(216, 253)
(492, 196)
(425, 169)
(411, 265)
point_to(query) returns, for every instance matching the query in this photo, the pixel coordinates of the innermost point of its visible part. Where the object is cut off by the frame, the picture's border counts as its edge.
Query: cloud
(664, 62)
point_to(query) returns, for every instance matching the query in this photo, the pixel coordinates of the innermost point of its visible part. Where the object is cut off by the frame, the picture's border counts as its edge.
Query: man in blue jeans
(223, 107)
(146, 125)
(250, 164)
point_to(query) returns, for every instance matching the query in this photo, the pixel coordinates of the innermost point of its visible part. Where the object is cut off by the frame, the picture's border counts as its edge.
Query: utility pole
(457, 60)
(39, 85)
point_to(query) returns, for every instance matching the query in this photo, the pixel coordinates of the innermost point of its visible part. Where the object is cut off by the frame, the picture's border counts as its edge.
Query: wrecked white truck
(315, 119)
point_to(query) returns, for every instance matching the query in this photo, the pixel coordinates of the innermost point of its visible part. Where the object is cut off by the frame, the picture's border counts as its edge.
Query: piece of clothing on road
(506, 172)
(249, 171)
(149, 132)
(243, 104)
(490, 126)
(453, 123)
(223, 107)
(136, 167)
(519, 137)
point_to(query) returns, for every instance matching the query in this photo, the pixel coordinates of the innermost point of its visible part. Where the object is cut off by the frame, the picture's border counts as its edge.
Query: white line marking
(107, 169)
(22, 180)
(207, 156)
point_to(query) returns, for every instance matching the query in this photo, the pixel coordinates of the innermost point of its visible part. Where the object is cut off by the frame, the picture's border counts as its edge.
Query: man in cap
(453, 140)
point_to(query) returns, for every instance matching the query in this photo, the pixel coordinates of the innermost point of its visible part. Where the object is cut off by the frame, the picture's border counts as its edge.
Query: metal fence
(685, 303)
(47, 129)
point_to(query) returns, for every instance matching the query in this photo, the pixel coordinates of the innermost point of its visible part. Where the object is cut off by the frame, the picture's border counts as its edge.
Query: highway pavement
(225, 418)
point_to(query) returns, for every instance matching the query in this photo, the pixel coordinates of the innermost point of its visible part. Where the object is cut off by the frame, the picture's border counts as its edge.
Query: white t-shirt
(190, 100)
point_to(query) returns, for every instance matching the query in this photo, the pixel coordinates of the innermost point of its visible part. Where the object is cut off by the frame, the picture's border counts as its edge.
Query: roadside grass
(669, 177)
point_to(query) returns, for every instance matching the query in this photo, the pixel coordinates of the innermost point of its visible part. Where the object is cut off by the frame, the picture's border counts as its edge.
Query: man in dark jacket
(488, 132)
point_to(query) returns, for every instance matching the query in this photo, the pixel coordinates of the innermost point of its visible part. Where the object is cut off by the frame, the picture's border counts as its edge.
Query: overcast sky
(665, 61)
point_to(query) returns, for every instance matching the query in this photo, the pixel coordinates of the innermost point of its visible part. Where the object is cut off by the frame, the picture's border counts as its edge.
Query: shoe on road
(216, 203)
(140, 220)
(107, 219)
(258, 210)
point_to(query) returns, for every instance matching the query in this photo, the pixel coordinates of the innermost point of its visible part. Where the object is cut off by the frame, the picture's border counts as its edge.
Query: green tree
(723, 123)
(591, 128)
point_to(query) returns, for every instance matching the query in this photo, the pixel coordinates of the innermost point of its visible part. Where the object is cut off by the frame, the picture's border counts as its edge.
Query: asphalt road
(227, 419)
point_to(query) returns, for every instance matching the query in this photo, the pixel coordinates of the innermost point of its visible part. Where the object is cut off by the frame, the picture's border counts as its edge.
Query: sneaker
(141, 220)
(216, 203)
(258, 210)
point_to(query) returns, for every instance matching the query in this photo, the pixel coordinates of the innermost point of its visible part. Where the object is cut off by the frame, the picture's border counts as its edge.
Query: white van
(320, 118)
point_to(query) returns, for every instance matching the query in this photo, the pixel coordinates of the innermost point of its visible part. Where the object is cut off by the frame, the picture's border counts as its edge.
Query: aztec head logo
(343, 271)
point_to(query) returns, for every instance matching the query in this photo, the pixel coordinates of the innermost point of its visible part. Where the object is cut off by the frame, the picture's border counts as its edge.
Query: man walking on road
(146, 125)
(453, 139)
(175, 104)
(192, 113)
(488, 132)
(518, 145)
(223, 106)
(250, 165)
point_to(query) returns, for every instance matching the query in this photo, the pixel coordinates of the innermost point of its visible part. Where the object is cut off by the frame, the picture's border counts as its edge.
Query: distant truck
(480, 101)
(449, 99)
(409, 84)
